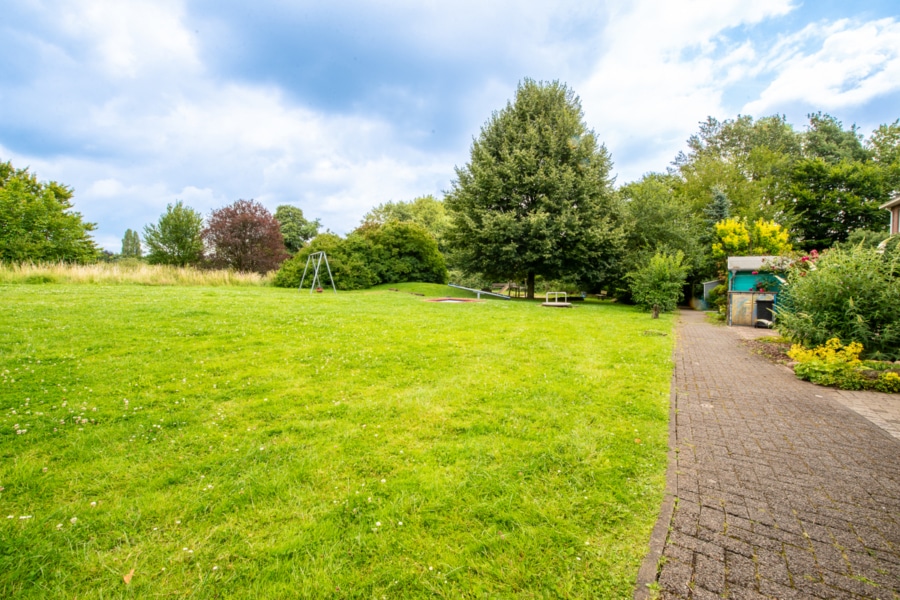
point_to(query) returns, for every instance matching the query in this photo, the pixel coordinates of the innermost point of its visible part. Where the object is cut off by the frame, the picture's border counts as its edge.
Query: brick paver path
(780, 493)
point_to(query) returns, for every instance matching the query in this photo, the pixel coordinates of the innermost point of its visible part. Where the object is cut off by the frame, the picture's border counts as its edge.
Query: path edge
(649, 571)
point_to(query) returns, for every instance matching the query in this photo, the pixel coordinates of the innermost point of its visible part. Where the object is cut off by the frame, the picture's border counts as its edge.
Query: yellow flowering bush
(837, 365)
(735, 237)
(830, 352)
(888, 382)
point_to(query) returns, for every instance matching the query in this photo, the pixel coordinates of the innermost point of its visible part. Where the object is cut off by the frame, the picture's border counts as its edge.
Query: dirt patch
(776, 352)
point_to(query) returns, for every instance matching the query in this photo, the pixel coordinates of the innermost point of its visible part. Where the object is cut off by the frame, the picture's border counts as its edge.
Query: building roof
(894, 201)
(750, 263)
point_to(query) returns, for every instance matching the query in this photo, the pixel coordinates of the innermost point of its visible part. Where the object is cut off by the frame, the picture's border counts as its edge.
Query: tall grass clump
(126, 272)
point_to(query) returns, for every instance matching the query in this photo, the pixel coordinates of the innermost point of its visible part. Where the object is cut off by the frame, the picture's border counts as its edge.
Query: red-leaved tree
(244, 236)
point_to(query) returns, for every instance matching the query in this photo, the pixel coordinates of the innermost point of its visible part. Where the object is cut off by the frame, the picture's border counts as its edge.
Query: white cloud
(666, 71)
(145, 122)
(855, 63)
(184, 135)
(129, 39)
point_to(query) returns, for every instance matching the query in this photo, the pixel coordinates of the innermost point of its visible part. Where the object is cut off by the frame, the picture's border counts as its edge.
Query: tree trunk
(656, 311)
(529, 293)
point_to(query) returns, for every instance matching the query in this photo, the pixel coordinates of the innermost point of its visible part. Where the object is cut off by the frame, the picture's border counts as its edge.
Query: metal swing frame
(318, 257)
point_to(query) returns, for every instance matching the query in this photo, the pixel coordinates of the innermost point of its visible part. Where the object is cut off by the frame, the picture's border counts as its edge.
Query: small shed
(753, 286)
(893, 206)
(709, 286)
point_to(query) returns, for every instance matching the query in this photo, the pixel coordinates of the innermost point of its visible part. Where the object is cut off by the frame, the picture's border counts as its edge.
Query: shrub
(348, 258)
(888, 382)
(391, 253)
(657, 286)
(833, 364)
(849, 293)
(830, 364)
(405, 251)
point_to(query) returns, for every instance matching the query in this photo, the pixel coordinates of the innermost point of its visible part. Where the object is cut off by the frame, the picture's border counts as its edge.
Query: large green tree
(131, 244)
(830, 199)
(884, 144)
(296, 229)
(426, 211)
(37, 222)
(819, 183)
(536, 196)
(175, 239)
(658, 222)
(748, 161)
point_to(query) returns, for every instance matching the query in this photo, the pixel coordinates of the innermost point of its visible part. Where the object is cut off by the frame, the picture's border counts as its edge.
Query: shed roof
(749, 263)
(894, 201)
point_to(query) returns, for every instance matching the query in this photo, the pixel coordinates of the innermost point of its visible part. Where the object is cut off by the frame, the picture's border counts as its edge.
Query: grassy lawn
(252, 442)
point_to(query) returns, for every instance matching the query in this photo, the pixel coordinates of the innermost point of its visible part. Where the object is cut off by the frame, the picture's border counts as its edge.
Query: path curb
(649, 571)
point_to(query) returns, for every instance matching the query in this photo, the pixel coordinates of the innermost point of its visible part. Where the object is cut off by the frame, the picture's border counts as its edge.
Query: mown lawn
(264, 443)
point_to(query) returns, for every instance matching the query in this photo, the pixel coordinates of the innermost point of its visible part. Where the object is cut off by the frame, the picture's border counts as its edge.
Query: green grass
(245, 442)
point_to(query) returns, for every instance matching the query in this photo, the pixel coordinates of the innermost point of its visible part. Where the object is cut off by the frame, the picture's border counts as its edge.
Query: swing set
(318, 257)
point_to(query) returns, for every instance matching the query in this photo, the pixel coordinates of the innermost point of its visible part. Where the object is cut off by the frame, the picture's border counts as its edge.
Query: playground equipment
(318, 257)
(478, 292)
(556, 303)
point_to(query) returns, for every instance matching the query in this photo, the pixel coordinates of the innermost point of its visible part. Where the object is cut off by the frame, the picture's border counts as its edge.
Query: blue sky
(338, 107)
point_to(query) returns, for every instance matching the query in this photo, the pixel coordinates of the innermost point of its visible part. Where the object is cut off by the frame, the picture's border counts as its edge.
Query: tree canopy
(131, 245)
(244, 236)
(295, 228)
(536, 196)
(425, 211)
(37, 222)
(820, 183)
(175, 239)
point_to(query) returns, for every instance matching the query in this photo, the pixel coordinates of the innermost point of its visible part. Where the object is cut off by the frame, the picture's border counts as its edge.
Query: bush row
(394, 252)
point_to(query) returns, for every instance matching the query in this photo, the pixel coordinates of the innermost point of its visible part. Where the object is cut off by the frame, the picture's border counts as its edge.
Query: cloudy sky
(337, 107)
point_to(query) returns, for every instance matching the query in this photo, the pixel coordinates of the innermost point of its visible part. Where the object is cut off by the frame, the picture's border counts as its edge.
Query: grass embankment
(255, 442)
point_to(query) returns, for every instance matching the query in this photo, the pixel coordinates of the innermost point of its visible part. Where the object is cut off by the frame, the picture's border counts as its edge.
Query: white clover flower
(73, 520)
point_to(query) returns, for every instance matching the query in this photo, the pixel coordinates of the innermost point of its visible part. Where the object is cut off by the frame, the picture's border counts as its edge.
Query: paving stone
(745, 594)
(740, 571)
(673, 552)
(675, 577)
(849, 584)
(700, 593)
(784, 492)
(709, 574)
(773, 567)
(774, 589)
(801, 564)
